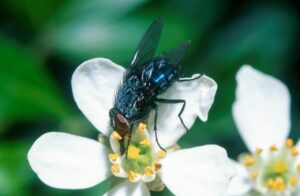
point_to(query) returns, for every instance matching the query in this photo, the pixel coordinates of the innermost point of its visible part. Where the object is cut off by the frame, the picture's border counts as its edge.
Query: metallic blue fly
(147, 77)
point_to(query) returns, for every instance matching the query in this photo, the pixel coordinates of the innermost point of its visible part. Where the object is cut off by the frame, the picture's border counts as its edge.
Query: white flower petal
(94, 84)
(199, 96)
(240, 183)
(202, 170)
(67, 161)
(127, 188)
(261, 110)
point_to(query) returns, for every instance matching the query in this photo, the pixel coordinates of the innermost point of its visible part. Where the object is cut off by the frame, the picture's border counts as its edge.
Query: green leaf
(33, 13)
(15, 173)
(262, 36)
(26, 89)
(83, 32)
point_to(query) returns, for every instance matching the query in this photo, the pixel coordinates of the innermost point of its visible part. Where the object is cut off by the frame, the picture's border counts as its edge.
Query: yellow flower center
(279, 166)
(139, 161)
(276, 170)
(133, 152)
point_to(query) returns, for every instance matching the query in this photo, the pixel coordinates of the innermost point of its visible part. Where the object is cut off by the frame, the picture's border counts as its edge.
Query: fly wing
(148, 44)
(175, 55)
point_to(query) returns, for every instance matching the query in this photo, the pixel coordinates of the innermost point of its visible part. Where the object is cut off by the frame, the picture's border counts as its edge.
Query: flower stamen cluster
(142, 161)
(273, 171)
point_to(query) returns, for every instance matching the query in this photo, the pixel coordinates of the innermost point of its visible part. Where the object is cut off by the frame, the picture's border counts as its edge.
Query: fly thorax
(273, 171)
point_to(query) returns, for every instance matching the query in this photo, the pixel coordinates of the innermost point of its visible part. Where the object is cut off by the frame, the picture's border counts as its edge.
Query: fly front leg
(129, 140)
(175, 101)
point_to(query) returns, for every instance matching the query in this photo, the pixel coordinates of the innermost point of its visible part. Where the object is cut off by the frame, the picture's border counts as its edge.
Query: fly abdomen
(163, 76)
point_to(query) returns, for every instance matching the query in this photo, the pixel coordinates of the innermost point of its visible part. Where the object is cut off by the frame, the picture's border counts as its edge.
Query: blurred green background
(42, 42)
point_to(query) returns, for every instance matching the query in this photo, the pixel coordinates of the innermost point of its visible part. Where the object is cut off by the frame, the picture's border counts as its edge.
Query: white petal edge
(204, 170)
(67, 161)
(94, 84)
(127, 188)
(240, 183)
(261, 110)
(199, 95)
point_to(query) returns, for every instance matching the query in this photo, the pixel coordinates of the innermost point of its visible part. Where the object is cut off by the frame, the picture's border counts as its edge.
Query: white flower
(66, 161)
(261, 112)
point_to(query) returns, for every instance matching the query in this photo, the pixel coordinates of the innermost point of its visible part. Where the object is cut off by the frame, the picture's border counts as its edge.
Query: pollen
(273, 148)
(280, 185)
(294, 151)
(142, 127)
(157, 166)
(131, 176)
(148, 171)
(116, 135)
(133, 152)
(161, 154)
(248, 161)
(289, 143)
(113, 156)
(253, 175)
(271, 184)
(293, 181)
(258, 150)
(115, 168)
(145, 142)
(279, 166)
(298, 168)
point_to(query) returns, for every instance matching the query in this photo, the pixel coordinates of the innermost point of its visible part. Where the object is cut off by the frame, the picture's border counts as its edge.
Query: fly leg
(129, 140)
(189, 79)
(155, 127)
(175, 101)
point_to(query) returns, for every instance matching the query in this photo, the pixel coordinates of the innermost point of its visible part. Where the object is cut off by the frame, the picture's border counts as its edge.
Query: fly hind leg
(189, 79)
(155, 127)
(175, 101)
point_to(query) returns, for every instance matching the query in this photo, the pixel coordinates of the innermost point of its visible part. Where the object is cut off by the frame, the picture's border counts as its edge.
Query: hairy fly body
(146, 78)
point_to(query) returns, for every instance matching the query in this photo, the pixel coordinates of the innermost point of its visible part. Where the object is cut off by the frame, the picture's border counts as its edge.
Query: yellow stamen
(279, 166)
(293, 181)
(294, 151)
(113, 156)
(161, 154)
(133, 152)
(298, 168)
(289, 143)
(253, 175)
(280, 185)
(248, 160)
(148, 171)
(145, 142)
(258, 150)
(273, 148)
(131, 176)
(115, 168)
(271, 184)
(116, 136)
(157, 166)
(142, 127)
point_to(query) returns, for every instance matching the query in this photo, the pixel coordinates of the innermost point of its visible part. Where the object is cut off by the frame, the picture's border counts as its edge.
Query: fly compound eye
(121, 122)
